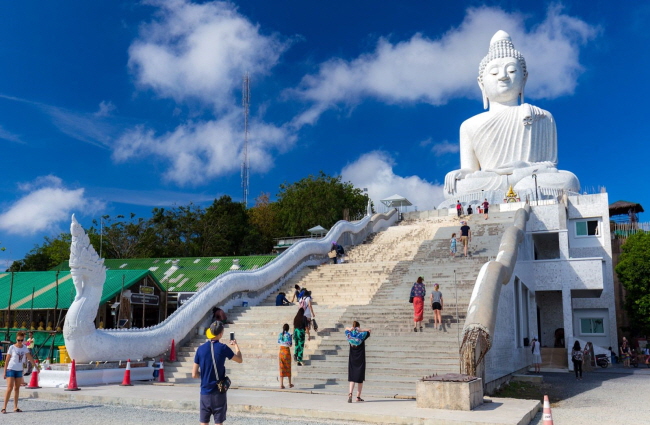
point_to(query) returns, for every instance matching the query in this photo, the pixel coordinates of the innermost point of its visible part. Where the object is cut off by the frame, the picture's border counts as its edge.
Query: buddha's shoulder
(472, 123)
(478, 120)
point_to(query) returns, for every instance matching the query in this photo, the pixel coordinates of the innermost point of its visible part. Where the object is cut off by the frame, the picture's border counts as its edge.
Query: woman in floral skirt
(285, 341)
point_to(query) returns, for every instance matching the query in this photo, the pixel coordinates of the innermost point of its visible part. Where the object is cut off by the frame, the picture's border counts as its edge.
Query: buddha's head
(502, 73)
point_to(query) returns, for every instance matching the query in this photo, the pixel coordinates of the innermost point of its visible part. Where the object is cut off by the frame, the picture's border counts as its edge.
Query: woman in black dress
(357, 360)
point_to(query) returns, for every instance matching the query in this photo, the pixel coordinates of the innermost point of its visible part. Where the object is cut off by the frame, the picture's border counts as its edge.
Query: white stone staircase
(372, 287)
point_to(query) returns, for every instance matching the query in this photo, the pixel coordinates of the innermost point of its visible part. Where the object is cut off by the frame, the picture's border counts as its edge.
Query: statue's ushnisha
(513, 139)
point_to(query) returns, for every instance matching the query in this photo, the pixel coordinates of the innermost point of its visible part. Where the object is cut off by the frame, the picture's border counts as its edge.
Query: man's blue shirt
(281, 300)
(203, 358)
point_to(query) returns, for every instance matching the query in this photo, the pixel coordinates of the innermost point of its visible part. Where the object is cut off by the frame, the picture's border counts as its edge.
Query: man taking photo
(209, 356)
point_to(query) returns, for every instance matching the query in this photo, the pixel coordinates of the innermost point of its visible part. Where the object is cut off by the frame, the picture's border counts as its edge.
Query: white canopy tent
(317, 231)
(396, 201)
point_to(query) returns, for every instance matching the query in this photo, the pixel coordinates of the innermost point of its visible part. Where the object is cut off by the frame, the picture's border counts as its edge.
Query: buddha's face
(503, 80)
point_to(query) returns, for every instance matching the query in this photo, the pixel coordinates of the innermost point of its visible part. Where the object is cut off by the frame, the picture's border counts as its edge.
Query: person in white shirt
(13, 371)
(309, 311)
(537, 355)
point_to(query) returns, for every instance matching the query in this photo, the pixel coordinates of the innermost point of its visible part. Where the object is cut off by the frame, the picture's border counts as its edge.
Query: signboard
(183, 297)
(144, 299)
(146, 290)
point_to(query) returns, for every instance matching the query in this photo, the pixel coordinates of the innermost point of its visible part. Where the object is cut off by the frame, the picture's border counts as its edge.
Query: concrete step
(373, 288)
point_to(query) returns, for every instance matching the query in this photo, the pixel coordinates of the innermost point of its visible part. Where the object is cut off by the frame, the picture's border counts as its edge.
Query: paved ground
(316, 407)
(55, 413)
(609, 396)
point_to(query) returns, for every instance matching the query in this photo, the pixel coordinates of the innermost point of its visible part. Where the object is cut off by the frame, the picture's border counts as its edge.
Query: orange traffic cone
(161, 372)
(33, 382)
(126, 382)
(172, 354)
(547, 417)
(72, 385)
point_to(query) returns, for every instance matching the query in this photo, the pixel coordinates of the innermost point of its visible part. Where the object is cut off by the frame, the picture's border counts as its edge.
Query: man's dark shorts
(213, 404)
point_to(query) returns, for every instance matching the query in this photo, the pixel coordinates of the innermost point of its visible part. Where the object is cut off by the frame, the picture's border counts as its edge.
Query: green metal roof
(191, 273)
(43, 284)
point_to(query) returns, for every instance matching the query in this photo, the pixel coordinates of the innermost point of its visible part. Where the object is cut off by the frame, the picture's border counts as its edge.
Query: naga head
(86, 268)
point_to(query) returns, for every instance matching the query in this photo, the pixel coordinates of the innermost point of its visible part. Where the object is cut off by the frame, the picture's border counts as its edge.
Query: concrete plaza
(294, 404)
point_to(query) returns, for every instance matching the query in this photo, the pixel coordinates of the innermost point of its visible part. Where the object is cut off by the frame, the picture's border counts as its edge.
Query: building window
(546, 246)
(518, 340)
(587, 228)
(592, 326)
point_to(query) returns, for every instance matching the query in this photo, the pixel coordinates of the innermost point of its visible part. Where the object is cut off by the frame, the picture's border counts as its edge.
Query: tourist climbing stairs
(372, 287)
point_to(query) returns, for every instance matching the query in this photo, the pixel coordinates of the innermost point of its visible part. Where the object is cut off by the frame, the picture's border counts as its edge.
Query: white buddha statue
(512, 140)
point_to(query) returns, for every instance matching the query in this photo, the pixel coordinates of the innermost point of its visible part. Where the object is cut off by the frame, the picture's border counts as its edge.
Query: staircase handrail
(478, 330)
(154, 340)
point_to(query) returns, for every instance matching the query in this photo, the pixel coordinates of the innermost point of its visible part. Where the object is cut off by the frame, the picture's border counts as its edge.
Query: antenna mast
(245, 167)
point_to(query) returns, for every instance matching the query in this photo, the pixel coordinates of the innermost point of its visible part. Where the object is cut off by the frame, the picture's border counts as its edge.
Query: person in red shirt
(486, 205)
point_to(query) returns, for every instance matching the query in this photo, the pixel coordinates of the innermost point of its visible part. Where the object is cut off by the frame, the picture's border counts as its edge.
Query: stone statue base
(449, 395)
(498, 197)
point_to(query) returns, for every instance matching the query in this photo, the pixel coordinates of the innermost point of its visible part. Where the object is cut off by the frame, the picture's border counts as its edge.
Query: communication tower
(245, 166)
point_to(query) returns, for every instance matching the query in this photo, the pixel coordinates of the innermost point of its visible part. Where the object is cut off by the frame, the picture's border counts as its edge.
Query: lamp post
(535, 177)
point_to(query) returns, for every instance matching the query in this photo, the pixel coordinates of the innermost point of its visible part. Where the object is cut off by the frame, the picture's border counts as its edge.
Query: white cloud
(436, 70)
(200, 51)
(94, 128)
(154, 198)
(105, 108)
(444, 148)
(46, 204)
(197, 152)
(7, 135)
(374, 170)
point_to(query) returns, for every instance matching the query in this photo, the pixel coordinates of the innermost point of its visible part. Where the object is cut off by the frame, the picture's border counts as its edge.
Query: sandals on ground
(350, 398)
(3, 410)
(359, 399)
(17, 411)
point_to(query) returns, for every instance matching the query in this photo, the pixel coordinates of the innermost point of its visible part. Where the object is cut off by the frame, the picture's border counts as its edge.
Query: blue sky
(112, 107)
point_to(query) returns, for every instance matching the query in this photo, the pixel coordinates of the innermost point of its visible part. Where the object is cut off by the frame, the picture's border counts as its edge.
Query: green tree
(633, 271)
(126, 238)
(226, 228)
(43, 257)
(317, 200)
(179, 232)
(265, 224)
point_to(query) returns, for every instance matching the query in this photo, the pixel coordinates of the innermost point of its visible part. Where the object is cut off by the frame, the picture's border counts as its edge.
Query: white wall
(602, 340)
(553, 275)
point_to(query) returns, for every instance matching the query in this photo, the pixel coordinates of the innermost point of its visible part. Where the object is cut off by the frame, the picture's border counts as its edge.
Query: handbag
(411, 300)
(331, 254)
(222, 384)
(313, 322)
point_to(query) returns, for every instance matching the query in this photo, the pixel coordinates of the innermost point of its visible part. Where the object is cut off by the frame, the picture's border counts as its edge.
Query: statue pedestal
(449, 395)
